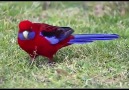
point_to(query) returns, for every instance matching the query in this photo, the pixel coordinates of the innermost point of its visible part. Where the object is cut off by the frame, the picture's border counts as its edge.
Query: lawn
(101, 64)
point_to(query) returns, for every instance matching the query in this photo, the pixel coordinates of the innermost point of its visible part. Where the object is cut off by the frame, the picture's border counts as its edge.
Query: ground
(101, 64)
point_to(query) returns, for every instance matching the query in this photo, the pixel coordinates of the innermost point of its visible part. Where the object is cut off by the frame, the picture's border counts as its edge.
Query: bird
(41, 39)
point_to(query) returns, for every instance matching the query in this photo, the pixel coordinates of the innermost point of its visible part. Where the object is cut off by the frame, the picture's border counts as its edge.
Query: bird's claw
(51, 63)
(31, 62)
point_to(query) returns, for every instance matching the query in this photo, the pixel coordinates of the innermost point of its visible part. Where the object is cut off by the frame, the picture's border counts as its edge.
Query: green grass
(102, 64)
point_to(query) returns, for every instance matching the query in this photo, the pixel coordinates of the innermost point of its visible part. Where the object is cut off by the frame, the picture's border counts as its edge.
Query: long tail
(87, 38)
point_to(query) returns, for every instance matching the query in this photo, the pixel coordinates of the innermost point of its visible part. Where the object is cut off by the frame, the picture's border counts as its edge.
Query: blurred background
(35, 9)
(97, 8)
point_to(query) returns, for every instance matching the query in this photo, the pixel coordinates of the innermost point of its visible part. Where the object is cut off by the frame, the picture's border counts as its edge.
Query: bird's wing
(55, 34)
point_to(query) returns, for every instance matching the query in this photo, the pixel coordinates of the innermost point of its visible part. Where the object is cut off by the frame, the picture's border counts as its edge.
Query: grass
(102, 64)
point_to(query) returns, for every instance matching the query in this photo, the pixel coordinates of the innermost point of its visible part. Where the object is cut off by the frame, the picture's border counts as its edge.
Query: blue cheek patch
(31, 35)
(52, 40)
(20, 35)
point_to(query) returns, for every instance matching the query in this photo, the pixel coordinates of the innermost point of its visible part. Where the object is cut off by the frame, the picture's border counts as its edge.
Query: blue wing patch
(57, 35)
(52, 39)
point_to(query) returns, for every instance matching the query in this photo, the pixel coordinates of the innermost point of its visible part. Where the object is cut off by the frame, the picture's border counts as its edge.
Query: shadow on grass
(41, 61)
(62, 56)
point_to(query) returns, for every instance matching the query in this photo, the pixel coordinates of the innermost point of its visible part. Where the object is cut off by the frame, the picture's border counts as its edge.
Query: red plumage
(39, 45)
(45, 40)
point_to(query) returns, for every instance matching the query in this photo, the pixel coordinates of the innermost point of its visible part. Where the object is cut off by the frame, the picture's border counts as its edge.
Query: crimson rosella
(45, 40)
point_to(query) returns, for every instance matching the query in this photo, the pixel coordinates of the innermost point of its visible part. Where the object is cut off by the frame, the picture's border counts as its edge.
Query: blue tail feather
(96, 36)
(79, 42)
(87, 38)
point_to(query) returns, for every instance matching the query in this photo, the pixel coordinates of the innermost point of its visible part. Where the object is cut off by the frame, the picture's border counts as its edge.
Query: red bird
(45, 40)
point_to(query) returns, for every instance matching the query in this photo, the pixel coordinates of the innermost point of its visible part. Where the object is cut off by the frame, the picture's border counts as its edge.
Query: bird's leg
(34, 55)
(32, 59)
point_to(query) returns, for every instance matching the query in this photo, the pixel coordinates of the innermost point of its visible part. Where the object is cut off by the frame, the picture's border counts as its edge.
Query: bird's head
(25, 30)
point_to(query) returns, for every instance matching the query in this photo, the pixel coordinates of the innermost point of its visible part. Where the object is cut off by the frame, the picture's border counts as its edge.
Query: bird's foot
(31, 61)
(51, 63)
